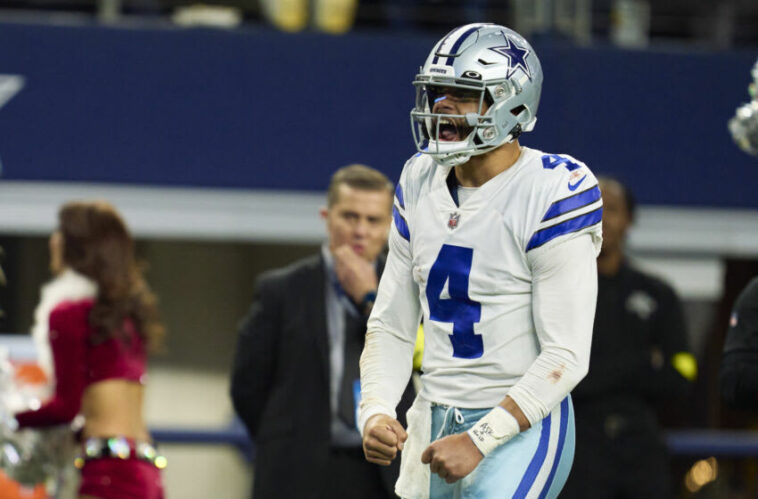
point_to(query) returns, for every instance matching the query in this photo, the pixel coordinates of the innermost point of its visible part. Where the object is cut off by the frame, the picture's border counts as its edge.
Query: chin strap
(515, 133)
(454, 159)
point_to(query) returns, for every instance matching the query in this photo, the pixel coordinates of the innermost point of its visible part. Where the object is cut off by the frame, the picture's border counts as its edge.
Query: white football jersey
(470, 268)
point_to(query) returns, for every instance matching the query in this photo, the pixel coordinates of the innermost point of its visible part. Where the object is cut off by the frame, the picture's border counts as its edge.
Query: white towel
(413, 482)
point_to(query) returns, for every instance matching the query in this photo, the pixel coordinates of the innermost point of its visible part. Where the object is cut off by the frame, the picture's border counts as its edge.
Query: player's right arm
(387, 359)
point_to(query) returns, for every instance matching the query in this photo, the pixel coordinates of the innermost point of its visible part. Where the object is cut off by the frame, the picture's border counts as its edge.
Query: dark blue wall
(259, 109)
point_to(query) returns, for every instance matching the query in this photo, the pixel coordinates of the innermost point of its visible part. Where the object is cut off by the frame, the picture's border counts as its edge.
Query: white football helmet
(488, 62)
(744, 124)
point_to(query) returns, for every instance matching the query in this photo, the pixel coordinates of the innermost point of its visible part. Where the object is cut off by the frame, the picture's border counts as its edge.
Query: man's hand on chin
(356, 275)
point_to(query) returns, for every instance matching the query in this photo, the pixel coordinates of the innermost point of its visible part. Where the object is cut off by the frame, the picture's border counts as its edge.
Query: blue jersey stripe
(399, 195)
(559, 450)
(459, 42)
(566, 227)
(401, 224)
(573, 202)
(537, 461)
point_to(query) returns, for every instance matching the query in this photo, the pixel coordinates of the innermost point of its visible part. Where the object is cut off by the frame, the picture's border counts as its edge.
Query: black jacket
(639, 328)
(739, 364)
(280, 382)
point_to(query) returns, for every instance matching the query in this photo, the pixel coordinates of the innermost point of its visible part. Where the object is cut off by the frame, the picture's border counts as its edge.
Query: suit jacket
(280, 382)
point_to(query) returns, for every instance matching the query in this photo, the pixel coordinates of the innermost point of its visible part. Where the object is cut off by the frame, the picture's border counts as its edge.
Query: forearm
(548, 381)
(387, 359)
(386, 365)
(68, 346)
(56, 411)
(512, 407)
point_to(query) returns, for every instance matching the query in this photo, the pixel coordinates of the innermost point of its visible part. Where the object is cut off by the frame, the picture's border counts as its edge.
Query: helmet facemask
(495, 64)
(453, 138)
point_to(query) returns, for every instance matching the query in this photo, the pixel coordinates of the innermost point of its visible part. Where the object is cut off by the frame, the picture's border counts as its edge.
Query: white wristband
(494, 429)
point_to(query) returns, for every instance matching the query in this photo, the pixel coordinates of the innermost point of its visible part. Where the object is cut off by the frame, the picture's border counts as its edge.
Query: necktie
(355, 333)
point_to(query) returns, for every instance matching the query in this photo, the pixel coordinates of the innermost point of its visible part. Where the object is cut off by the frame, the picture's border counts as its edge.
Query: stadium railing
(719, 443)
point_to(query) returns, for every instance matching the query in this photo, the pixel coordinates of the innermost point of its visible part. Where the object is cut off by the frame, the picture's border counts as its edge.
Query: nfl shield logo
(452, 222)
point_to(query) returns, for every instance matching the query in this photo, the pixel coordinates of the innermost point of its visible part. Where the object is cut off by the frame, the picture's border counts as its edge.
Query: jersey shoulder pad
(416, 173)
(569, 201)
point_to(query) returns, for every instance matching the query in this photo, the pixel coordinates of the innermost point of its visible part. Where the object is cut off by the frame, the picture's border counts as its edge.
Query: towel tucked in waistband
(413, 482)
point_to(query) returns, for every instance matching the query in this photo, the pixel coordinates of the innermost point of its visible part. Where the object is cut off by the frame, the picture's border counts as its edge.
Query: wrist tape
(494, 429)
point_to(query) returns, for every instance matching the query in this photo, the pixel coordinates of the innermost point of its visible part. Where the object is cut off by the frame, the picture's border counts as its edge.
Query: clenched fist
(383, 437)
(452, 457)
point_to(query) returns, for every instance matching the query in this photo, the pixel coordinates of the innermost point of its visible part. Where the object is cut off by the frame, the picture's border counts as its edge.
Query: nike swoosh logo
(572, 187)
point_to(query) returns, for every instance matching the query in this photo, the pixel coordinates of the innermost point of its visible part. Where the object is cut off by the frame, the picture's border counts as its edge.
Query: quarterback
(493, 245)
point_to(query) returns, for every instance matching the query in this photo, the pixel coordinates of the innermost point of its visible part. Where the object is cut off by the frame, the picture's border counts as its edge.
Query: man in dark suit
(295, 381)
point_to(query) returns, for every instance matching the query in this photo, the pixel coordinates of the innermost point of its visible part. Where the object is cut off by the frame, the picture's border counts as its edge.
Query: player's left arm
(564, 297)
(562, 241)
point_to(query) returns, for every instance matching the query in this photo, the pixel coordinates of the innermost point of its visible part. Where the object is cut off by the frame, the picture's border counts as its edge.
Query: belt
(119, 448)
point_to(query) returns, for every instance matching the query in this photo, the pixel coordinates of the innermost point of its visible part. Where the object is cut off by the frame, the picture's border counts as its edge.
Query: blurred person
(93, 325)
(739, 363)
(494, 244)
(3, 283)
(330, 16)
(295, 377)
(743, 126)
(640, 358)
(9, 488)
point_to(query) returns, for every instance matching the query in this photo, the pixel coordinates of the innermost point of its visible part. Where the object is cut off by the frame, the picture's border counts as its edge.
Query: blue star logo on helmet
(477, 57)
(516, 57)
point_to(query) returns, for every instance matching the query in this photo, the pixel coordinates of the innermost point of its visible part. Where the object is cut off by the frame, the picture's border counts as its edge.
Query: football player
(494, 244)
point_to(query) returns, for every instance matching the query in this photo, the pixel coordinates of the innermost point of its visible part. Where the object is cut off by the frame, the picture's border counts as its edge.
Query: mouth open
(451, 131)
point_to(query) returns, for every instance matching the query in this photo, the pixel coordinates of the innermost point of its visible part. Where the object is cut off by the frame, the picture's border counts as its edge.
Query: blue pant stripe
(537, 461)
(559, 451)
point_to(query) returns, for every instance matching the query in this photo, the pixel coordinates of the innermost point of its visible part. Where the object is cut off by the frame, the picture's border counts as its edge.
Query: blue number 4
(551, 161)
(453, 265)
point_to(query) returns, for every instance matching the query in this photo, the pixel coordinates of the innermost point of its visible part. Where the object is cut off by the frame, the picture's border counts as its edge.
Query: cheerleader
(93, 327)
